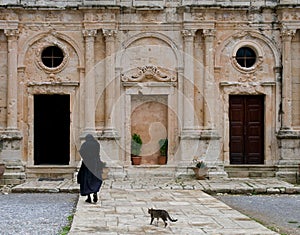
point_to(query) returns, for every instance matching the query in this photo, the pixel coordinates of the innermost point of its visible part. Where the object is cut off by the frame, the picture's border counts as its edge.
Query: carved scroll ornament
(148, 72)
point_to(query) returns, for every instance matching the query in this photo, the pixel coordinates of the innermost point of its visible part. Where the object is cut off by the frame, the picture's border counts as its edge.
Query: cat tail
(172, 220)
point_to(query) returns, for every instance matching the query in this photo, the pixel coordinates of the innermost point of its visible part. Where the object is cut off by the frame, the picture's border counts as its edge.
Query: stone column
(89, 82)
(110, 88)
(188, 82)
(287, 36)
(209, 83)
(12, 78)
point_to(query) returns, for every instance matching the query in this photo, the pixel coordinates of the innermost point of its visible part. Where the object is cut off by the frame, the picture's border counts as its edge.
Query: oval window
(245, 57)
(52, 56)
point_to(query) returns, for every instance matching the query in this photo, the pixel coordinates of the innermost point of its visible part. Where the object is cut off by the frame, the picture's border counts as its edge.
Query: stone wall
(183, 51)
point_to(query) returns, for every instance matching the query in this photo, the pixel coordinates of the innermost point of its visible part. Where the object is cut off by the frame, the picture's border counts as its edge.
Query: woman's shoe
(89, 200)
(95, 198)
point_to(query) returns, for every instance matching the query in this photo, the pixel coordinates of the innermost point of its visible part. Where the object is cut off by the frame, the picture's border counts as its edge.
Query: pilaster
(89, 82)
(286, 36)
(188, 83)
(12, 77)
(209, 83)
(110, 86)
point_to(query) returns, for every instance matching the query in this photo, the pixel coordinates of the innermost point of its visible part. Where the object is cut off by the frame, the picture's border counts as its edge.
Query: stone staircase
(14, 174)
(50, 172)
(250, 171)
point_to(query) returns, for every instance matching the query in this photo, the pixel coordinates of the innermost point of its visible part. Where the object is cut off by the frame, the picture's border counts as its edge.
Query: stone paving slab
(123, 204)
(124, 211)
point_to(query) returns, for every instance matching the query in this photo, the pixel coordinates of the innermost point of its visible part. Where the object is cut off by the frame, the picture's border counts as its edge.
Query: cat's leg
(152, 218)
(157, 221)
(165, 223)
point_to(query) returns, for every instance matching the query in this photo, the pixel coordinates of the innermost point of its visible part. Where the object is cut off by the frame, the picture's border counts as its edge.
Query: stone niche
(149, 119)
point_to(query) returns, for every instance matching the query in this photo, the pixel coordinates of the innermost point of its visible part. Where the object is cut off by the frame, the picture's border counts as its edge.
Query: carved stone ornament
(150, 73)
(44, 43)
(248, 77)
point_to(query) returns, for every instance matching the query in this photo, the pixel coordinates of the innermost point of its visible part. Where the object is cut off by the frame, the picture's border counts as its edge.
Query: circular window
(52, 56)
(245, 57)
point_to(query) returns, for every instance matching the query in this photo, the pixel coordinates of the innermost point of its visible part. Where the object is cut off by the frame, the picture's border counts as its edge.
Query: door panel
(246, 117)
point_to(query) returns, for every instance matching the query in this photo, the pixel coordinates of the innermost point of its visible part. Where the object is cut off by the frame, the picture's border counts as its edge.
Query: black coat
(90, 173)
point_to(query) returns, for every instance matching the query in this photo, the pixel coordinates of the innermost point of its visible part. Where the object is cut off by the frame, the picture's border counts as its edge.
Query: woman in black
(90, 173)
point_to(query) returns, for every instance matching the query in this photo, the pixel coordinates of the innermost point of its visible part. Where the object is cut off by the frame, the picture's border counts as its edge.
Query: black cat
(164, 215)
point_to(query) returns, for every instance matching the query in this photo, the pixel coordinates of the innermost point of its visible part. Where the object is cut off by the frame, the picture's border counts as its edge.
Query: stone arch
(60, 36)
(126, 44)
(268, 42)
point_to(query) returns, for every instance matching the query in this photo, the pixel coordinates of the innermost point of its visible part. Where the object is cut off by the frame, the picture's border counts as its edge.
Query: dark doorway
(246, 117)
(51, 129)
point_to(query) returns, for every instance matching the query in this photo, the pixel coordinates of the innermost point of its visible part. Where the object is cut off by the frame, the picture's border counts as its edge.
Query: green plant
(163, 147)
(136, 144)
(198, 163)
(66, 229)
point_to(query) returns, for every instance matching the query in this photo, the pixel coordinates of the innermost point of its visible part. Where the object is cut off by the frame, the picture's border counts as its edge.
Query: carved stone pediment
(149, 73)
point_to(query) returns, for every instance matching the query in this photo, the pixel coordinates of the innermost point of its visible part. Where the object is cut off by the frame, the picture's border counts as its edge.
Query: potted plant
(136, 145)
(163, 149)
(200, 169)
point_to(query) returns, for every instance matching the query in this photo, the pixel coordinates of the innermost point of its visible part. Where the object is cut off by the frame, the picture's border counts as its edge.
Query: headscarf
(90, 153)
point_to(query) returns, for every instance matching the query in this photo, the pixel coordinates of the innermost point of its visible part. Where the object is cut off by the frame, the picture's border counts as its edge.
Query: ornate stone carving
(287, 34)
(187, 33)
(198, 15)
(109, 33)
(209, 32)
(11, 33)
(148, 72)
(89, 32)
(46, 42)
(51, 16)
(248, 77)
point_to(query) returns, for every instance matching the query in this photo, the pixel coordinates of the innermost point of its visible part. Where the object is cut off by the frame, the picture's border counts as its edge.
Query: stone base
(287, 173)
(14, 173)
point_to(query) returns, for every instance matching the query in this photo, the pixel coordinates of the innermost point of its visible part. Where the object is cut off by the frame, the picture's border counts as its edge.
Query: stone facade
(162, 69)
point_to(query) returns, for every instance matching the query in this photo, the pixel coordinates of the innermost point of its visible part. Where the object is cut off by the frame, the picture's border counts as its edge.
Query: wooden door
(246, 117)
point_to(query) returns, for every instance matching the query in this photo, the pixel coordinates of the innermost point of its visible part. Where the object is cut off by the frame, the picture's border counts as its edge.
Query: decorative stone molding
(287, 34)
(11, 33)
(109, 33)
(46, 42)
(188, 33)
(207, 33)
(148, 72)
(259, 59)
(247, 37)
(89, 32)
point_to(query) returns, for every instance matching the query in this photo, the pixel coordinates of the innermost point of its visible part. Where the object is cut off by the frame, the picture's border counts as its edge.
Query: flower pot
(136, 160)
(162, 160)
(200, 173)
(2, 169)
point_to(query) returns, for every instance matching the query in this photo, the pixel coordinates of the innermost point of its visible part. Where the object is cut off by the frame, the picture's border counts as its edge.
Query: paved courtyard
(123, 204)
(124, 211)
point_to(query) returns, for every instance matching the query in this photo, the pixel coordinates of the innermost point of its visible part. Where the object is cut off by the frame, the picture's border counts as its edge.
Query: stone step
(250, 171)
(150, 171)
(51, 172)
